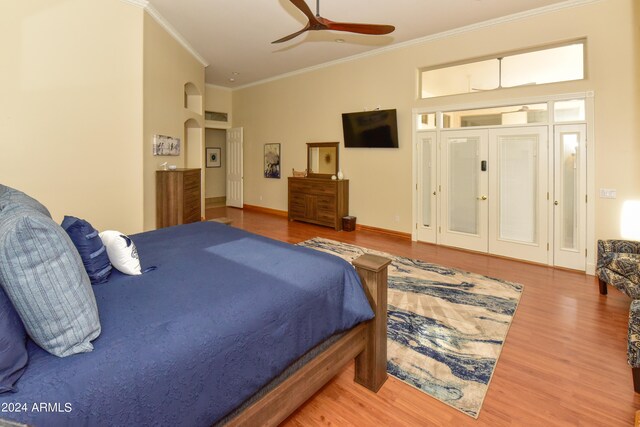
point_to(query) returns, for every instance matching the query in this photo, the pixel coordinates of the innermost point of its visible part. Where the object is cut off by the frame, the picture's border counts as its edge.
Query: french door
(493, 191)
(518, 184)
(464, 189)
(427, 188)
(570, 203)
(506, 191)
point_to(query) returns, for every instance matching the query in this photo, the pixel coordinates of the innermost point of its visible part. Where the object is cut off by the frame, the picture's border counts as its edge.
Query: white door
(234, 168)
(570, 196)
(518, 209)
(464, 189)
(426, 226)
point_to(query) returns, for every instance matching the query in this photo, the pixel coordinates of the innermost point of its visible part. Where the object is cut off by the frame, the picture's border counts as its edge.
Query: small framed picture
(272, 161)
(164, 145)
(213, 157)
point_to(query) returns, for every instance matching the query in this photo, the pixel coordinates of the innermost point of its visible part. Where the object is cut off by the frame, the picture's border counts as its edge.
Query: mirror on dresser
(322, 159)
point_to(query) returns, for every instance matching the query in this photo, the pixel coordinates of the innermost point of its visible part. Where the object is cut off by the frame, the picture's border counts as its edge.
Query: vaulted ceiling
(234, 36)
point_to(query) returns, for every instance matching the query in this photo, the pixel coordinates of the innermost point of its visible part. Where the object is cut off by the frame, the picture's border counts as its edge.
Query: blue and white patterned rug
(446, 327)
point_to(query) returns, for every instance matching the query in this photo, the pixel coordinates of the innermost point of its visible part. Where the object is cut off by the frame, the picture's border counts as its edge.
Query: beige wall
(307, 107)
(218, 99)
(216, 178)
(167, 68)
(71, 108)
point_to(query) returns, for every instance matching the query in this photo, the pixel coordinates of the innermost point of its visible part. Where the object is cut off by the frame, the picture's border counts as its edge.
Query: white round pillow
(122, 252)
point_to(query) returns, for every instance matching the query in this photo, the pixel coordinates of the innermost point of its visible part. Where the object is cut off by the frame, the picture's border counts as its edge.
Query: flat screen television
(370, 129)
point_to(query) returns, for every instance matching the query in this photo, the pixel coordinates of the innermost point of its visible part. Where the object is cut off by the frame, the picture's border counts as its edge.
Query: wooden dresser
(177, 197)
(319, 201)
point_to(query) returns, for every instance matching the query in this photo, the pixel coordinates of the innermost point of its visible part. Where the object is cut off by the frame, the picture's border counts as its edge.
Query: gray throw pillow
(43, 276)
(10, 197)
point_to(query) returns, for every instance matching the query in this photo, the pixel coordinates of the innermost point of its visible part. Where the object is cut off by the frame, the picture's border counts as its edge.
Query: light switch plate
(607, 193)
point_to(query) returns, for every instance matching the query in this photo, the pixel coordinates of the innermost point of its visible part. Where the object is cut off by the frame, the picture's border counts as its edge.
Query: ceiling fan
(316, 22)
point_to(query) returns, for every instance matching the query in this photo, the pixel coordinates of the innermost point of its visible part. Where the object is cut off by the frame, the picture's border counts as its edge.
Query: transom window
(533, 67)
(564, 111)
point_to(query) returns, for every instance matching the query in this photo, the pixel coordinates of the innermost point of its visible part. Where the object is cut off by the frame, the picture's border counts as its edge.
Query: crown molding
(139, 3)
(219, 87)
(445, 34)
(144, 4)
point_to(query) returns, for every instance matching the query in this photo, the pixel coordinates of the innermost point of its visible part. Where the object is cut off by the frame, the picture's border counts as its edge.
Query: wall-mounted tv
(370, 129)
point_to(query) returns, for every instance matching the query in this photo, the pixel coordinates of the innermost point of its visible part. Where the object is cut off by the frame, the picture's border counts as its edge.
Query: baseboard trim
(359, 227)
(265, 210)
(210, 202)
(394, 233)
(539, 264)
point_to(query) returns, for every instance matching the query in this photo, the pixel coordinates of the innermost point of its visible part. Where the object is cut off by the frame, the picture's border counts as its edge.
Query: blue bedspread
(224, 313)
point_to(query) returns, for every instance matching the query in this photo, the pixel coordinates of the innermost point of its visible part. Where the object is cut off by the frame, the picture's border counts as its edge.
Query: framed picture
(272, 161)
(213, 157)
(164, 145)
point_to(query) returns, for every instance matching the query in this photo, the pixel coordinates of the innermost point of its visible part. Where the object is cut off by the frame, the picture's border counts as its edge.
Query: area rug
(446, 327)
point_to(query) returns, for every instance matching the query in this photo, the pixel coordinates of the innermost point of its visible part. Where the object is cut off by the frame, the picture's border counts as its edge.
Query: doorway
(494, 187)
(215, 171)
(517, 190)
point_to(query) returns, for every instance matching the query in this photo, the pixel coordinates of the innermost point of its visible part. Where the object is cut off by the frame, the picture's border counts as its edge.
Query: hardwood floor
(563, 363)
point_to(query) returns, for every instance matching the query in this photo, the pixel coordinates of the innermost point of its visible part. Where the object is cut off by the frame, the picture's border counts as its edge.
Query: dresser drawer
(296, 199)
(191, 180)
(326, 217)
(313, 187)
(326, 203)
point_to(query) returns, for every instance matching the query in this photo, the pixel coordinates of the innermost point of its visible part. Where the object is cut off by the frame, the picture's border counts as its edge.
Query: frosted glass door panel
(464, 193)
(569, 198)
(464, 160)
(426, 181)
(569, 152)
(518, 181)
(518, 184)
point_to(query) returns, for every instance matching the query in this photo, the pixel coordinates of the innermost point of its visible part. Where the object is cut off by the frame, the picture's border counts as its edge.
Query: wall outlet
(260, 198)
(607, 193)
(396, 218)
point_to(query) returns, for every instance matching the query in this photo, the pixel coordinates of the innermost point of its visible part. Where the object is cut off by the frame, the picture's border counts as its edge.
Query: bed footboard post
(371, 364)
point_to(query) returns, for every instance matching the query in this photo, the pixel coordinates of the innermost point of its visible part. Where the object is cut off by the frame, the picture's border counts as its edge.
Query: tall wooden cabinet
(319, 201)
(177, 197)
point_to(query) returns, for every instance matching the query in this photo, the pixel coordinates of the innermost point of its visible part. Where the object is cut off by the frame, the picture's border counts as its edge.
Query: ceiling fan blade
(304, 8)
(291, 36)
(373, 29)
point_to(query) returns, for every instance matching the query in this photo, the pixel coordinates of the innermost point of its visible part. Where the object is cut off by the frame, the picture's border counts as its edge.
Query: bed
(205, 337)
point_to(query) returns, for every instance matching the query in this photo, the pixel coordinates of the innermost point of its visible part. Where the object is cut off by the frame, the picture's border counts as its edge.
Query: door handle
(482, 198)
(556, 203)
(434, 193)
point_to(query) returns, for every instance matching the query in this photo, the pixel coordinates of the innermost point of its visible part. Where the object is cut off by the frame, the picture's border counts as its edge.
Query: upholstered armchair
(619, 266)
(633, 349)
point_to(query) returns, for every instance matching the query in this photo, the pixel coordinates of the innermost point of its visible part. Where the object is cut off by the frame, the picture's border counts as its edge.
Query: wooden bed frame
(366, 342)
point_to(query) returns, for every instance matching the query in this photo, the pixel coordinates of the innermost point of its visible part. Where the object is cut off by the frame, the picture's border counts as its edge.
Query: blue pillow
(13, 350)
(89, 245)
(10, 197)
(43, 276)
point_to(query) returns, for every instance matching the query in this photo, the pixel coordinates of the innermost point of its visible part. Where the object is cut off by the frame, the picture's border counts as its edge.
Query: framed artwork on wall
(213, 157)
(164, 145)
(272, 161)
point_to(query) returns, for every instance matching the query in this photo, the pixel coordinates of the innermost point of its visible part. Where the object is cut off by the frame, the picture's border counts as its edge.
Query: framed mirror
(322, 159)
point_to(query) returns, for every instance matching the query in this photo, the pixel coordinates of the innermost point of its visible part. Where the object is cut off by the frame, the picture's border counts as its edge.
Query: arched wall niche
(192, 98)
